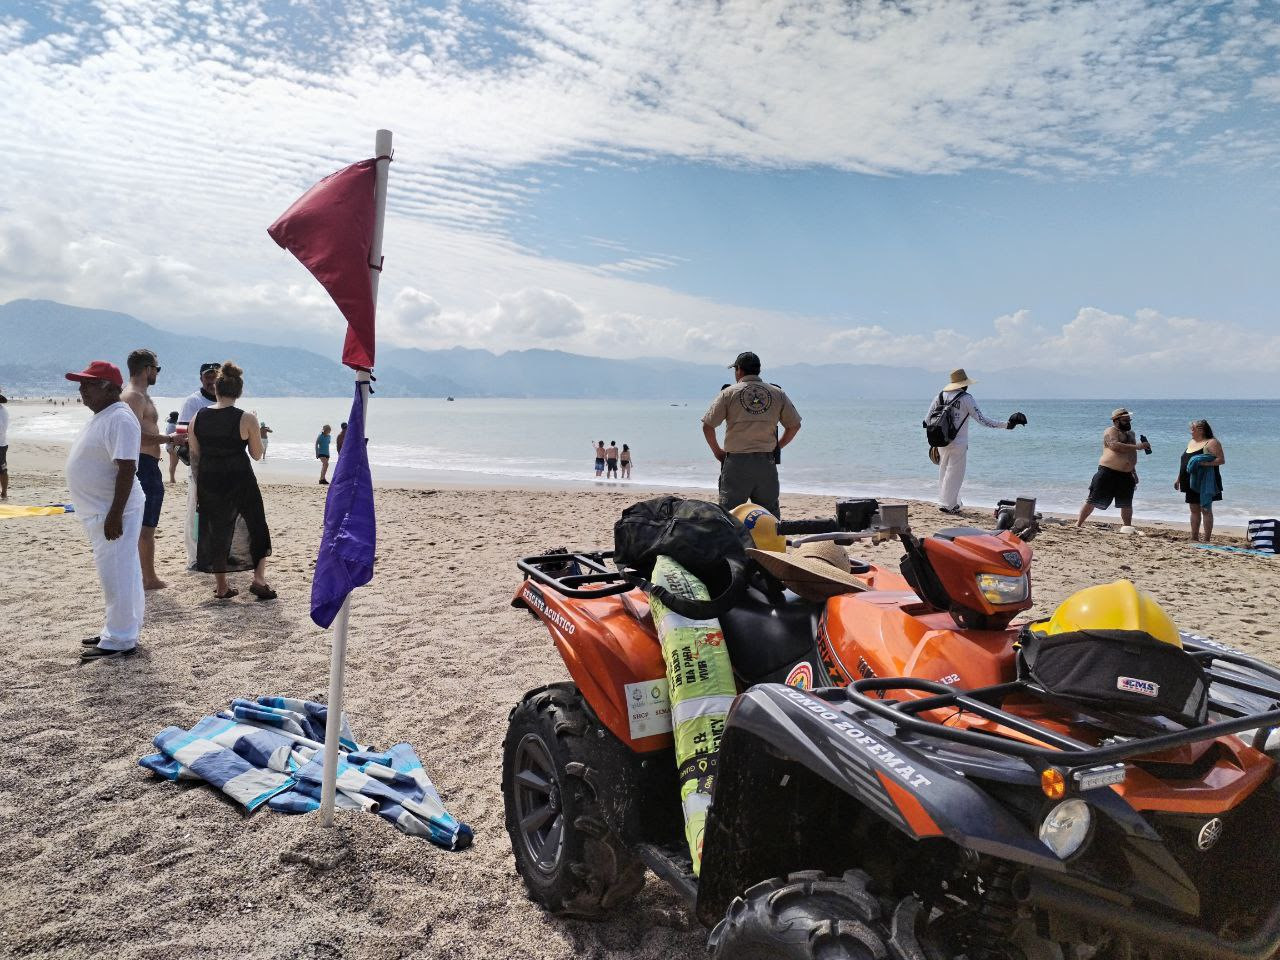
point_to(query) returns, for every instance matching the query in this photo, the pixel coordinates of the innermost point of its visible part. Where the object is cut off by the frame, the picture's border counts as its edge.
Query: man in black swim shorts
(1117, 474)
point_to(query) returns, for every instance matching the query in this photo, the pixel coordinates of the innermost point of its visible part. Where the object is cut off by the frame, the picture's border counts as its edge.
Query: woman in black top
(1202, 441)
(223, 438)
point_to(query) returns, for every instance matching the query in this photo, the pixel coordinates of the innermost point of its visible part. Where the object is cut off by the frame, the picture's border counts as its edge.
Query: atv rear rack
(1058, 749)
(576, 573)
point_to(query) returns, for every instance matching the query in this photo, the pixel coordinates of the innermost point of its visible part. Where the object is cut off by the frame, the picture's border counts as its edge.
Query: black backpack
(702, 537)
(940, 427)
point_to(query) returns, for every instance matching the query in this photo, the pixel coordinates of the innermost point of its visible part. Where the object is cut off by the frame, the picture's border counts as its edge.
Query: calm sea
(868, 448)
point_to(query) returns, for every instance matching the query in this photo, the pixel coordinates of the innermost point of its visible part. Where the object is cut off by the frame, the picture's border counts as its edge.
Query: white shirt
(965, 409)
(193, 405)
(4, 426)
(113, 434)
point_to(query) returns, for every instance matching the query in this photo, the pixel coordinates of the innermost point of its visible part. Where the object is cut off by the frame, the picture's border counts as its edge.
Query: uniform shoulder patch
(756, 399)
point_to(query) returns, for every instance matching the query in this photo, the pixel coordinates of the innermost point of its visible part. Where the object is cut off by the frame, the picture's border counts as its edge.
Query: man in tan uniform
(751, 410)
(1117, 475)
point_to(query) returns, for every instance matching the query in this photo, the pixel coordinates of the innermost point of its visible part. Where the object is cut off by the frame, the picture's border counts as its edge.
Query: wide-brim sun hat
(816, 570)
(958, 379)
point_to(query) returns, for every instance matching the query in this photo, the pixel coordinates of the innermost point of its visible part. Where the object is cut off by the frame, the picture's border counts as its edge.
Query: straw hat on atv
(815, 570)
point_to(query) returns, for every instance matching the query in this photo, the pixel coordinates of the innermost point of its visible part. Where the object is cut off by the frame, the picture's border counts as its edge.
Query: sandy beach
(98, 857)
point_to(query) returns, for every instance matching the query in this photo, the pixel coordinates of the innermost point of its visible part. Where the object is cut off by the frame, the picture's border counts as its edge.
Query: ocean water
(868, 448)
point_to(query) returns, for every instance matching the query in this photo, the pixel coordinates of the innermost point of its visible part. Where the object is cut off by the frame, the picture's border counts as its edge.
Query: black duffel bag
(1122, 670)
(702, 537)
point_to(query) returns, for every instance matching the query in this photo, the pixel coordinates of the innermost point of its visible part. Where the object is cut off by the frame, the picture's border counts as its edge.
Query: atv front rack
(1058, 749)
(582, 575)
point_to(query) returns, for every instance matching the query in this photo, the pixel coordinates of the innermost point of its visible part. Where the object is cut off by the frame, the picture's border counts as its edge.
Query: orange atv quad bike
(952, 784)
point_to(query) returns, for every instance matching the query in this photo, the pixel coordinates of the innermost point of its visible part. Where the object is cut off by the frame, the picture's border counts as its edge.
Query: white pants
(951, 474)
(120, 574)
(189, 528)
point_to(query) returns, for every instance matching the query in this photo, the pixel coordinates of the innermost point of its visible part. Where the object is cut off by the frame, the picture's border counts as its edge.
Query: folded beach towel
(1204, 480)
(270, 751)
(8, 510)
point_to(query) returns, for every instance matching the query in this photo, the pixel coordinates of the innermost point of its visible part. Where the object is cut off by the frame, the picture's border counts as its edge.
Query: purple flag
(345, 559)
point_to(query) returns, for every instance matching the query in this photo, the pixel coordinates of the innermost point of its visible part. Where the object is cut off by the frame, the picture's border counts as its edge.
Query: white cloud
(1148, 345)
(541, 315)
(149, 143)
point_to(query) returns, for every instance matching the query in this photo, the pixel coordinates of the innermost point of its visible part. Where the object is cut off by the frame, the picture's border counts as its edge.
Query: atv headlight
(1066, 828)
(1000, 590)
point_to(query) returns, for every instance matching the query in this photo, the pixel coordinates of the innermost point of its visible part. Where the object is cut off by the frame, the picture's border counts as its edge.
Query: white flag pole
(338, 656)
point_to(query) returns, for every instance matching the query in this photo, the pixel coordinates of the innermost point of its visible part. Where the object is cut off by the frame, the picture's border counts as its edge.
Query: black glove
(1017, 418)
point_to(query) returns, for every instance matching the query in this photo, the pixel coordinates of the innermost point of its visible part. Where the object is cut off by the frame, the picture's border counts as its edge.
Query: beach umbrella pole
(338, 655)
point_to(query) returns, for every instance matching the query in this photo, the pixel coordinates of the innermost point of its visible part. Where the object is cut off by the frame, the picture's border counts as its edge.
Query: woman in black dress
(223, 438)
(1202, 441)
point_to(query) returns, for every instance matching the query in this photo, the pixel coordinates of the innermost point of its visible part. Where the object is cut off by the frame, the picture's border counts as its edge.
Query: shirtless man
(143, 367)
(1117, 475)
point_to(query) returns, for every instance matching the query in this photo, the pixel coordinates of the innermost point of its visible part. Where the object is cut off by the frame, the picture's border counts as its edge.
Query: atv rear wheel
(570, 861)
(803, 916)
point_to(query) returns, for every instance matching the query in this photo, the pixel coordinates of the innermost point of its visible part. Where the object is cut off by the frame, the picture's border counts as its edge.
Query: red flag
(330, 229)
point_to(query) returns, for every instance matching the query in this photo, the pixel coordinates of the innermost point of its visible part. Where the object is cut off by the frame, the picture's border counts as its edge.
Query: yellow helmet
(762, 525)
(1112, 606)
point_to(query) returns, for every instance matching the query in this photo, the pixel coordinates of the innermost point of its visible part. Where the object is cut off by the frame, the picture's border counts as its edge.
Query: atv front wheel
(804, 916)
(570, 861)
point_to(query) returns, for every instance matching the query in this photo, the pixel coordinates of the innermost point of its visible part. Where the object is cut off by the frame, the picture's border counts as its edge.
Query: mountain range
(40, 340)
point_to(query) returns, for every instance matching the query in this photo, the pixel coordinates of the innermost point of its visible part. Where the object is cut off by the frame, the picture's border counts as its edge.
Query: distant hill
(40, 340)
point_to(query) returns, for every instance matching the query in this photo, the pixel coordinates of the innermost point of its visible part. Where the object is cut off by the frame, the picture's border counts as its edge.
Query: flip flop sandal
(98, 653)
(233, 592)
(262, 593)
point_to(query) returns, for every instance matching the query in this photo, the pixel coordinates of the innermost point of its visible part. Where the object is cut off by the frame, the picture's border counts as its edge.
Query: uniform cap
(747, 362)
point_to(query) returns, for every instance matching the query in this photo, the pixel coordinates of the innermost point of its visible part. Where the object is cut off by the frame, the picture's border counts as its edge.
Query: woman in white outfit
(952, 458)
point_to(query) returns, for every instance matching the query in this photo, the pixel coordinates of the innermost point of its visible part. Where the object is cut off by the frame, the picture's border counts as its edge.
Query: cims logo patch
(801, 677)
(1146, 688)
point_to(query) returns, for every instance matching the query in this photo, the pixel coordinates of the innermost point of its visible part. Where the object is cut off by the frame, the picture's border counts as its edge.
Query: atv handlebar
(828, 525)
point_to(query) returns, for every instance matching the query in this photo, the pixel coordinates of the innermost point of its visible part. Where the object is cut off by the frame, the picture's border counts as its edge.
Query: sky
(1072, 186)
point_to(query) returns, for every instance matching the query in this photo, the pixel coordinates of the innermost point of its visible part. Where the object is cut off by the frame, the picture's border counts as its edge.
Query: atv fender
(775, 731)
(797, 772)
(609, 653)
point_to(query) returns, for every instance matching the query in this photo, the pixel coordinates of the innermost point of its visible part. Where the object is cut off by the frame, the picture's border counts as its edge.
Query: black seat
(764, 636)
(950, 533)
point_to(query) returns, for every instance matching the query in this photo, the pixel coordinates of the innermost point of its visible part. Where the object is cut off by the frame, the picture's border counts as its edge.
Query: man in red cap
(102, 478)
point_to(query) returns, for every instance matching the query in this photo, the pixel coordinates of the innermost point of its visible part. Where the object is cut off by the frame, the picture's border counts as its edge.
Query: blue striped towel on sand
(269, 751)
